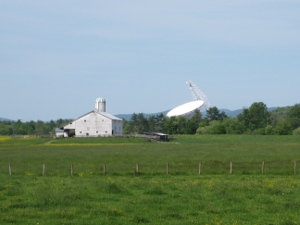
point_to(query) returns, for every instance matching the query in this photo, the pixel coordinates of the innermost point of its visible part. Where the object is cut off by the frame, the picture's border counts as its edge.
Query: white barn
(96, 123)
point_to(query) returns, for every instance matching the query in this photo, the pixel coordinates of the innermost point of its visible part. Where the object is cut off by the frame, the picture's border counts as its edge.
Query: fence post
(137, 169)
(72, 169)
(230, 170)
(199, 168)
(263, 167)
(9, 169)
(44, 168)
(295, 167)
(104, 169)
(167, 168)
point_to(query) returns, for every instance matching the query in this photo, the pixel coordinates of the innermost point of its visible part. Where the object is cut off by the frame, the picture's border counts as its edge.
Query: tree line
(32, 127)
(253, 120)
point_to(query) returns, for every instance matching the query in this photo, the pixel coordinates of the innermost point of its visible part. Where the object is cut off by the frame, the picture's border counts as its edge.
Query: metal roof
(105, 114)
(109, 116)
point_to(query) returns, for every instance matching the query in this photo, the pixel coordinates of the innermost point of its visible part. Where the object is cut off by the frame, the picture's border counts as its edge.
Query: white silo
(100, 105)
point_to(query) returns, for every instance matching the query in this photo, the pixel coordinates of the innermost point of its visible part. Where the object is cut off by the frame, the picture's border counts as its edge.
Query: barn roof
(109, 116)
(105, 114)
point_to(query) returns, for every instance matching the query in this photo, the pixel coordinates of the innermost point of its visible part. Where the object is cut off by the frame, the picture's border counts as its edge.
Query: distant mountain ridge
(4, 119)
(146, 115)
(229, 113)
(236, 112)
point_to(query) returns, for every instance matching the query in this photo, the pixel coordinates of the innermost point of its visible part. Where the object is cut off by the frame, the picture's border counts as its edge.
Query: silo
(100, 105)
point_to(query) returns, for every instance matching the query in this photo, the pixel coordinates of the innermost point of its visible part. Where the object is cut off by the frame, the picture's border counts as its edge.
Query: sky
(57, 57)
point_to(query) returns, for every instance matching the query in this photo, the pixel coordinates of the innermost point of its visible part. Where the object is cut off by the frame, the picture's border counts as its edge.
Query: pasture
(167, 189)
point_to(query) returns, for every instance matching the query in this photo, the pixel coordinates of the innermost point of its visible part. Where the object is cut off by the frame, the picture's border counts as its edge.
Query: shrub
(269, 130)
(296, 131)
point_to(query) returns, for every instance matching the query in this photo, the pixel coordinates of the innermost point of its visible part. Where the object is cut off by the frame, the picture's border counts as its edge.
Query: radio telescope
(200, 101)
(198, 95)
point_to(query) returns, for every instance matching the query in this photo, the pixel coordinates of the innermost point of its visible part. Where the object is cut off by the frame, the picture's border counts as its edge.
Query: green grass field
(153, 196)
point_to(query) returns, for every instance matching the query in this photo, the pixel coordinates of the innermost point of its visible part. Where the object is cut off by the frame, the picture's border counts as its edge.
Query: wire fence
(152, 169)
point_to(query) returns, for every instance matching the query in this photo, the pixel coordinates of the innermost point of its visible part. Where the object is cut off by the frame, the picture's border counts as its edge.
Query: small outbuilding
(59, 132)
(157, 136)
(96, 123)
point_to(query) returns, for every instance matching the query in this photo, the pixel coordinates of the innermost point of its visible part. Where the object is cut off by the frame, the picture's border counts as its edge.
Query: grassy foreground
(153, 197)
(153, 200)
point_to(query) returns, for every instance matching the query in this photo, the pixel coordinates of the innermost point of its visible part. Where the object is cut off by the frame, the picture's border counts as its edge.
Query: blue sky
(57, 57)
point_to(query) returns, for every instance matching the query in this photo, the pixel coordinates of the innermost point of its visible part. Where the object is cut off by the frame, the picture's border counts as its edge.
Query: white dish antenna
(200, 101)
(186, 109)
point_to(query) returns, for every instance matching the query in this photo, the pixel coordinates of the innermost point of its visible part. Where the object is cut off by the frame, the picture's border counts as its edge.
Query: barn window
(96, 132)
(84, 120)
(80, 132)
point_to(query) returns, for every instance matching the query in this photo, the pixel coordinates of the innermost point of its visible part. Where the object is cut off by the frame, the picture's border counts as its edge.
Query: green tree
(213, 113)
(137, 125)
(293, 117)
(5, 129)
(134, 123)
(126, 127)
(39, 128)
(282, 128)
(170, 125)
(159, 122)
(193, 123)
(143, 125)
(181, 123)
(296, 131)
(232, 126)
(215, 127)
(269, 130)
(259, 115)
(152, 123)
(197, 117)
(256, 117)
